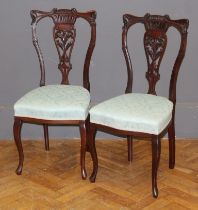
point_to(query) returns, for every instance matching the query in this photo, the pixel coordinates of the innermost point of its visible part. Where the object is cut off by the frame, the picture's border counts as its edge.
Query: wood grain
(51, 179)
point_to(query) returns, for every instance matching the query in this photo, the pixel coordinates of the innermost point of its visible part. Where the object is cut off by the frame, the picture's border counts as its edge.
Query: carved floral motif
(64, 38)
(155, 44)
(64, 34)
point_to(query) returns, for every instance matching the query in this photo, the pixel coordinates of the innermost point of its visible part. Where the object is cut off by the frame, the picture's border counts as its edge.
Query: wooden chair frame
(156, 27)
(64, 21)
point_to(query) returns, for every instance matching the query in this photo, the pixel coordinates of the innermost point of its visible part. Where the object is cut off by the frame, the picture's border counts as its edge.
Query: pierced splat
(155, 42)
(64, 37)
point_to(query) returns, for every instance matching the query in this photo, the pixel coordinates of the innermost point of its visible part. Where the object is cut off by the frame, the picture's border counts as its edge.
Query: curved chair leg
(88, 130)
(156, 150)
(93, 152)
(46, 137)
(171, 137)
(17, 137)
(130, 148)
(83, 133)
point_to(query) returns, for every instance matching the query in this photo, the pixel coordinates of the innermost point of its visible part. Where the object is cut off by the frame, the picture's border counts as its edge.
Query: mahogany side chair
(59, 104)
(138, 114)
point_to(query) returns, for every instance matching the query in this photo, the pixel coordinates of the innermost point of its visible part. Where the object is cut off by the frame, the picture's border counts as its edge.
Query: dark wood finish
(155, 41)
(49, 122)
(171, 137)
(127, 133)
(130, 148)
(17, 137)
(64, 34)
(156, 150)
(92, 148)
(46, 137)
(88, 130)
(83, 148)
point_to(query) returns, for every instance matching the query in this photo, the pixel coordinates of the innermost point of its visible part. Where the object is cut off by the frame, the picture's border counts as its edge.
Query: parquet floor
(51, 180)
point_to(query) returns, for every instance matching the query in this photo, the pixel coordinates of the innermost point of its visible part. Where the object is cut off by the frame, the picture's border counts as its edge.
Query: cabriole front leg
(83, 148)
(17, 137)
(93, 152)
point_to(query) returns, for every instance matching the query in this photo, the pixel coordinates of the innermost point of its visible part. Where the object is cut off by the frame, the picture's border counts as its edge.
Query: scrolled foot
(92, 178)
(83, 174)
(155, 192)
(19, 170)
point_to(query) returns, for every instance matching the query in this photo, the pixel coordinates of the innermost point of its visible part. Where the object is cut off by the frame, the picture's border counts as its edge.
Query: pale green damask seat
(134, 112)
(54, 102)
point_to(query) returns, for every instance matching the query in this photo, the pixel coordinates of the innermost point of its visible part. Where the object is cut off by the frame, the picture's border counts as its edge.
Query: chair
(61, 104)
(137, 114)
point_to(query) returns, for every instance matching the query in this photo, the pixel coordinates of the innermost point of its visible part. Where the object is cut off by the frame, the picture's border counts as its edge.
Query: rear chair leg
(46, 137)
(130, 148)
(156, 150)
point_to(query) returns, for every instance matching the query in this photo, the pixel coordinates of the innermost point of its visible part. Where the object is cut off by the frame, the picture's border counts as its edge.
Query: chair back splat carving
(155, 42)
(64, 35)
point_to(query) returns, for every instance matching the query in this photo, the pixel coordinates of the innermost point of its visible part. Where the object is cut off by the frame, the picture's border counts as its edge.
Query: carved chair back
(64, 35)
(155, 42)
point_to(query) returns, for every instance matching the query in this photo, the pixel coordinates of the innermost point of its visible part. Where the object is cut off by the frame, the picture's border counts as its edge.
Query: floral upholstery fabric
(134, 112)
(54, 102)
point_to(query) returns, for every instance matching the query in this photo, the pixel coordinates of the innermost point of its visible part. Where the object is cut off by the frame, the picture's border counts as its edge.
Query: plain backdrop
(19, 67)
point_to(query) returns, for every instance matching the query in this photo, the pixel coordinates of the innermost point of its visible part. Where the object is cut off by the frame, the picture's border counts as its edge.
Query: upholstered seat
(134, 112)
(54, 102)
(137, 114)
(60, 104)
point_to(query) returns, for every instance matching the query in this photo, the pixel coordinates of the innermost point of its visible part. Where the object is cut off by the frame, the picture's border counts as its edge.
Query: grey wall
(19, 68)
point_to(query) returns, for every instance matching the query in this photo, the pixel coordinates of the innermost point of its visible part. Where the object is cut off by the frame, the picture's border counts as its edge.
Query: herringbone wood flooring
(51, 180)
